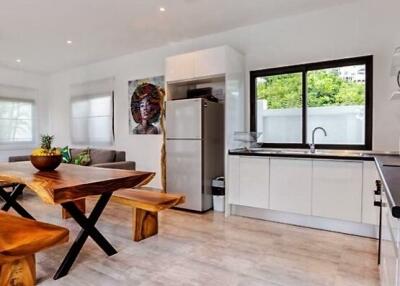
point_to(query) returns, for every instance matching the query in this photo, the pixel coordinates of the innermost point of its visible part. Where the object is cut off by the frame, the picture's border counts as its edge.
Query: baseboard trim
(334, 225)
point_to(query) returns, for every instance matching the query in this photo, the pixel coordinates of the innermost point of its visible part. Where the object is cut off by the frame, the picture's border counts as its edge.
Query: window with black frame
(288, 103)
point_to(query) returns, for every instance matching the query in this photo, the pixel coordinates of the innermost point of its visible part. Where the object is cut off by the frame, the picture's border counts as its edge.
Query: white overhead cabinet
(337, 190)
(179, 68)
(196, 65)
(290, 185)
(253, 182)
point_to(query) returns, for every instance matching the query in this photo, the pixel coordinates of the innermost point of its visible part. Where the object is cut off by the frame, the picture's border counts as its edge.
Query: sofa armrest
(19, 158)
(127, 165)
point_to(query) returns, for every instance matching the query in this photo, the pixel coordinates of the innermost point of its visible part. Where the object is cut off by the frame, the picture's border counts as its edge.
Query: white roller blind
(17, 114)
(92, 113)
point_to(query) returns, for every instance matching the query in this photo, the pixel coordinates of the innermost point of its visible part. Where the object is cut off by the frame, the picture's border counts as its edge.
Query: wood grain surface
(144, 224)
(71, 182)
(20, 272)
(148, 199)
(20, 239)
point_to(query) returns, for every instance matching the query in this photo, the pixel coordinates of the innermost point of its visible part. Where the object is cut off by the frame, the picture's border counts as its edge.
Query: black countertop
(305, 153)
(389, 170)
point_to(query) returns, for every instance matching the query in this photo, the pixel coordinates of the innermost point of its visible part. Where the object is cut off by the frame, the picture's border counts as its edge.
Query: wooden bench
(20, 239)
(146, 203)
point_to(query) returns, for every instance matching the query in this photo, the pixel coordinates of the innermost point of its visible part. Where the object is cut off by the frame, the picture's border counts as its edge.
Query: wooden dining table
(65, 185)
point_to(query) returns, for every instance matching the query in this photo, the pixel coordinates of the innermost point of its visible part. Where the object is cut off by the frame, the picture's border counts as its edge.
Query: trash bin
(218, 191)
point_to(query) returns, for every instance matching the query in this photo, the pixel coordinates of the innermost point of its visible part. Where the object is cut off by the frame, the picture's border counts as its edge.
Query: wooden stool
(20, 239)
(146, 203)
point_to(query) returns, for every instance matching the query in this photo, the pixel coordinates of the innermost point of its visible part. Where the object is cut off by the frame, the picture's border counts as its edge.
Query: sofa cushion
(100, 156)
(66, 155)
(75, 153)
(83, 158)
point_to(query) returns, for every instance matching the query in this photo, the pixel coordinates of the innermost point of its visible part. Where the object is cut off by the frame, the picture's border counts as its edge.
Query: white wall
(361, 28)
(38, 83)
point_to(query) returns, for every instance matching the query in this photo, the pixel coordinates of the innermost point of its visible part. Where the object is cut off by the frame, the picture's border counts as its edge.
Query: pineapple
(46, 141)
(45, 147)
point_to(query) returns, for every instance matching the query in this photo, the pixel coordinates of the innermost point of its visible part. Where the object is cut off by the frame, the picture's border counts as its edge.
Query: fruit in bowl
(46, 158)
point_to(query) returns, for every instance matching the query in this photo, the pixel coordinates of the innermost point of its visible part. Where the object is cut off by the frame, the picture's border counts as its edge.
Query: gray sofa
(102, 158)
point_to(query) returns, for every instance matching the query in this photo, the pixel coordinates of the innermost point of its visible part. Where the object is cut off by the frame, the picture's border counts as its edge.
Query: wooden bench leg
(144, 224)
(81, 204)
(21, 272)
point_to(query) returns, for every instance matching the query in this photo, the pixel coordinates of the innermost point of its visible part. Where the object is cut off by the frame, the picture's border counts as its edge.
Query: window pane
(279, 108)
(336, 102)
(92, 120)
(16, 121)
(99, 130)
(100, 106)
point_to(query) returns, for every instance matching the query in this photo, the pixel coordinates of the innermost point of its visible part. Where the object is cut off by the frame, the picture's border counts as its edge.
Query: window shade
(16, 115)
(92, 113)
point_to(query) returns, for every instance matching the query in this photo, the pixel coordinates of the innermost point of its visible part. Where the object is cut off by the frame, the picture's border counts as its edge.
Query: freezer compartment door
(184, 171)
(184, 119)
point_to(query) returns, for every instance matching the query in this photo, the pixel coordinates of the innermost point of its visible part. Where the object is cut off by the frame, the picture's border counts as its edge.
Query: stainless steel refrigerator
(195, 150)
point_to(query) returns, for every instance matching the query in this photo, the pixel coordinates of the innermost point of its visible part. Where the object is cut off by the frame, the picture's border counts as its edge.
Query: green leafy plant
(46, 141)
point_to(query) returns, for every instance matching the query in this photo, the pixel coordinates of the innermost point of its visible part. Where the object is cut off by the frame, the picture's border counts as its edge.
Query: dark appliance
(205, 92)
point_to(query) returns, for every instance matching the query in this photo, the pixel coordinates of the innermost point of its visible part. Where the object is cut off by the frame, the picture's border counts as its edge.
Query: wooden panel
(254, 182)
(370, 213)
(20, 272)
(290, 185)
(144, 224)
(71, 182)
(337, 189)
(147, 199)
(20, 237)
(233, 180)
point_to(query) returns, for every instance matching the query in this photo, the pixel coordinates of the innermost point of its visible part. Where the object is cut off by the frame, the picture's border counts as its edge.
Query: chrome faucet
(312, 145)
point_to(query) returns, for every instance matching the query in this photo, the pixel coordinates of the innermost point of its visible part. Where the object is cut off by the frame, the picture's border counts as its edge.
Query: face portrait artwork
(145, 108)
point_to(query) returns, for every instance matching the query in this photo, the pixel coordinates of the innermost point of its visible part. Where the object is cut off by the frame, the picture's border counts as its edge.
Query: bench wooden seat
(146, 203)
(20, 239)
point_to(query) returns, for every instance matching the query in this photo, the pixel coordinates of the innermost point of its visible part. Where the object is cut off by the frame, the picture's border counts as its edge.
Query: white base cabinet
(248, 182)
(337, 190)
(290, 185)
(370, 213)
(254, 182)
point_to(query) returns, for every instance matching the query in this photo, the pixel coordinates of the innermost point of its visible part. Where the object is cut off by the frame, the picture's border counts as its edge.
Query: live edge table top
(71, 182)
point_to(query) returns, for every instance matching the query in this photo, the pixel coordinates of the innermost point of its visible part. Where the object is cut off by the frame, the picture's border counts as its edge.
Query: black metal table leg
(11, 201)
(88, 229)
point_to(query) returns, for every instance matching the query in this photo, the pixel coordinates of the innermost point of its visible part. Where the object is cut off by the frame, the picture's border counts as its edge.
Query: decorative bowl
(46, 163)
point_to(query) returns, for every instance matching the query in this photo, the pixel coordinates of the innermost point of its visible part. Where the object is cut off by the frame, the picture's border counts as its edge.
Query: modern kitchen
(255, 146)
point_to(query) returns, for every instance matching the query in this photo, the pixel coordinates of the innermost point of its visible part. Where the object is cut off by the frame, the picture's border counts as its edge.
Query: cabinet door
(337, 189)
(233, 180)
(290, 185)
(370, 213)
(180, 67)
(209, 62)
(254, 182)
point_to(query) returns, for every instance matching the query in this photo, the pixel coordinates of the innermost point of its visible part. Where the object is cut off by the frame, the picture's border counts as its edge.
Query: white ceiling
(36, 31)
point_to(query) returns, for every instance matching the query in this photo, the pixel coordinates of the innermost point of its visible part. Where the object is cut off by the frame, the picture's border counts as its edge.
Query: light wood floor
(208, 249)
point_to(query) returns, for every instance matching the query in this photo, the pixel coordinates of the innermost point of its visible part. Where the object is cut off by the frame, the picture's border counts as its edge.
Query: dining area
(26, 193)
